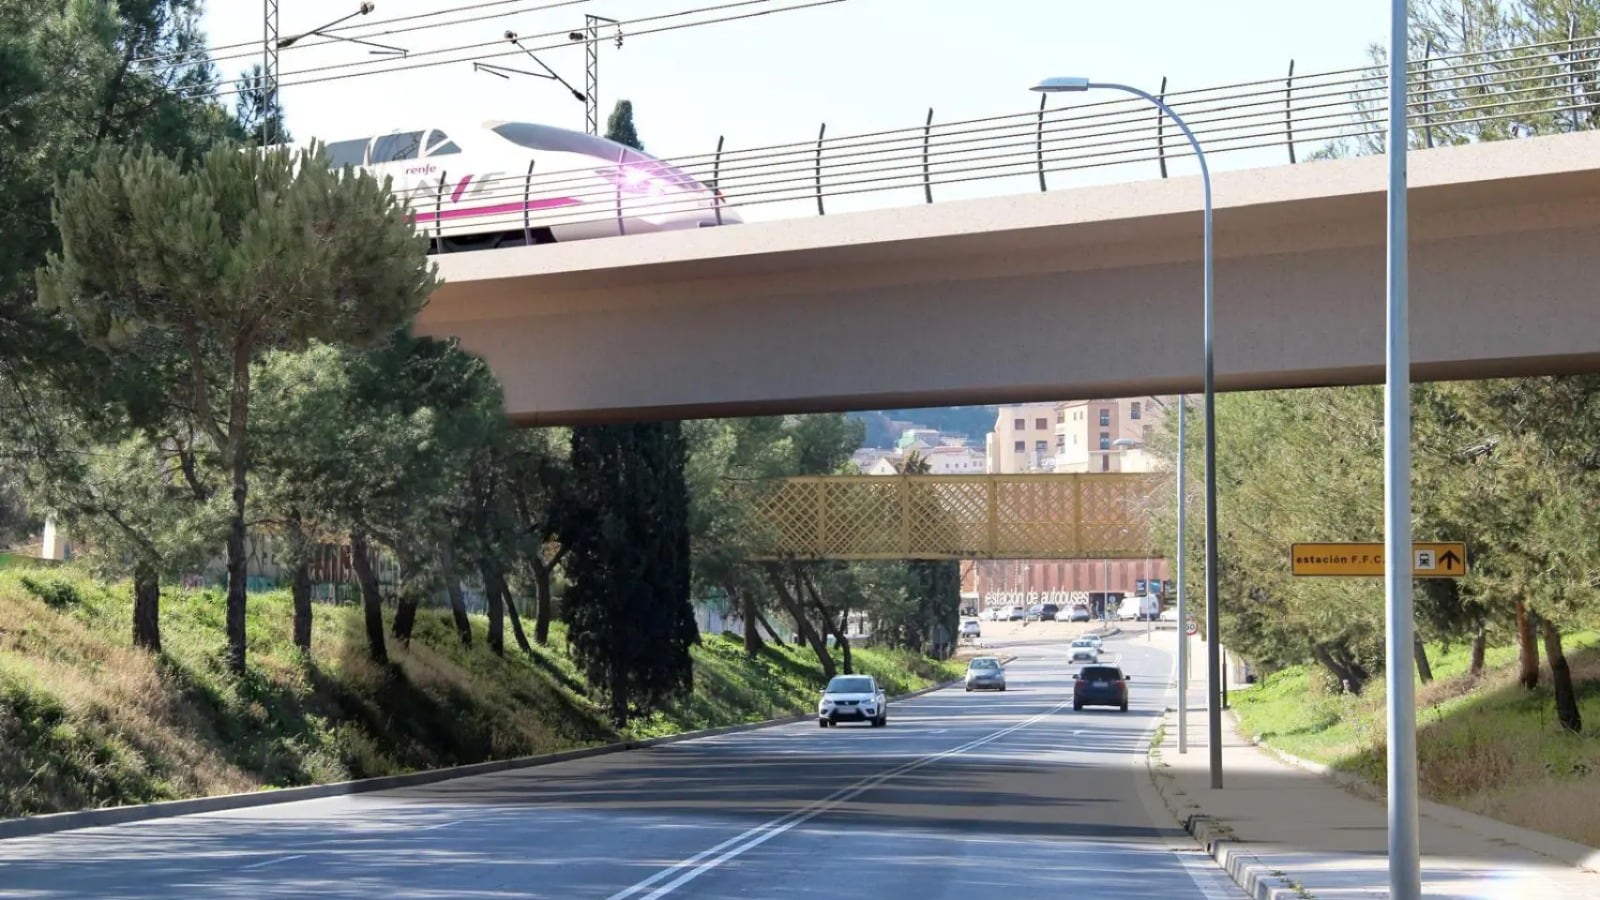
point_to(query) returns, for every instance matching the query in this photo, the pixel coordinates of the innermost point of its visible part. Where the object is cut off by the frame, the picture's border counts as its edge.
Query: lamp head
(1061, 84)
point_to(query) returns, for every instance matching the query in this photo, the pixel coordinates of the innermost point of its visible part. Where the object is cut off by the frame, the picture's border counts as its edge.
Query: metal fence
(1453, 98)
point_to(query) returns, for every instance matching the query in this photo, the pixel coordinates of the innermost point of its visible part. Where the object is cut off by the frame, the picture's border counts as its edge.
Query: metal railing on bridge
(1066, 516)
(1455, 98)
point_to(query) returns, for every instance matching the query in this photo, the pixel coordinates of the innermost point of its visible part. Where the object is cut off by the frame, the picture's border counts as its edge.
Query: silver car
(1085, 650)
(853, 698)
(984, 674)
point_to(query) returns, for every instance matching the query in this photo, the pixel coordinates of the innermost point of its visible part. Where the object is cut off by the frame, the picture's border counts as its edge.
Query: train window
(439, 144)
(347, 153)
(396, 147)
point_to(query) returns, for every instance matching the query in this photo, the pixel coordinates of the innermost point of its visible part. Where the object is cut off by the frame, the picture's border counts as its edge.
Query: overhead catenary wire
(370, 66)
(252, 47)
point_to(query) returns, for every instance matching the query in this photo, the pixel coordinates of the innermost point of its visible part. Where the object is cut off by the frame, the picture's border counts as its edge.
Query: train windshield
(560, 140)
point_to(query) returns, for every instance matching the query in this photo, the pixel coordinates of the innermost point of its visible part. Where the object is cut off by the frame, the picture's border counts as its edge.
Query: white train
(500, 184)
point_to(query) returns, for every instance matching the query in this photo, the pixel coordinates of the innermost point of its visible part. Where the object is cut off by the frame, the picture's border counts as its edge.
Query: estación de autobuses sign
(1028, 598)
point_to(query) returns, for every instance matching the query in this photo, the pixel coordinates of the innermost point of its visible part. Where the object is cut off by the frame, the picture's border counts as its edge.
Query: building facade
(1023, 439)
(1004, 582)
(1108, 435)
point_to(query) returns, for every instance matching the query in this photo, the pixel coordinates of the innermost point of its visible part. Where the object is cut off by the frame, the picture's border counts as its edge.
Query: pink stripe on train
(499, 209)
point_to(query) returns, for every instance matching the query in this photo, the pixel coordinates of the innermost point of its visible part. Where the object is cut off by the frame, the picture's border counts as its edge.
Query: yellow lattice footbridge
(1073, 516)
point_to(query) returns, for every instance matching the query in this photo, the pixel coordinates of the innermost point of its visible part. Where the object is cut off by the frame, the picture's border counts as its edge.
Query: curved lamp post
(1213, 653)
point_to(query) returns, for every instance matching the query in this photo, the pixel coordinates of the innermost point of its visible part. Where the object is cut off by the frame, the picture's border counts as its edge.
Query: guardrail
(1455, 98)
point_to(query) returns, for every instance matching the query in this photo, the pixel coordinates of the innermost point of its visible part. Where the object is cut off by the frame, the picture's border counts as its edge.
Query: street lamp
(1213, 655)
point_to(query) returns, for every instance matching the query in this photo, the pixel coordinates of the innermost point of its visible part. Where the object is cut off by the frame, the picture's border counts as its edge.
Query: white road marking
(693, 867)
(272, 862)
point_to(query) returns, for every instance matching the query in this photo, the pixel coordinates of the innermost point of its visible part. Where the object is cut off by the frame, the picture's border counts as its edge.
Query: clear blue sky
(859, 65)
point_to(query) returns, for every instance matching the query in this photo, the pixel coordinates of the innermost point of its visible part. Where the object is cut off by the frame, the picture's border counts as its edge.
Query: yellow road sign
(1429, 559)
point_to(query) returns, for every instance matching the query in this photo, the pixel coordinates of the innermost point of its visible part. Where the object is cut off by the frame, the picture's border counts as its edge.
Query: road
(979, 795)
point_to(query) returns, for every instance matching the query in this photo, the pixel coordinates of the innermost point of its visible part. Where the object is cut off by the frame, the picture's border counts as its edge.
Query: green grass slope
(87, 721)
(1485, 745)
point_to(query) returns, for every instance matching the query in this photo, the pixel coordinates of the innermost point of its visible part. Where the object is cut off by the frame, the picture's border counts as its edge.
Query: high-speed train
(498, 184)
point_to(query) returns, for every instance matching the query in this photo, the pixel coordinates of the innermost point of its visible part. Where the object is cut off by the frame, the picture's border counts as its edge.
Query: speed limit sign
(1191, 626)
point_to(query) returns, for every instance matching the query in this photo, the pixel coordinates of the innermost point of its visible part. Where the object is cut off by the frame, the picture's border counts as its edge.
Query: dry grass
(1483, 744)
(86, 720)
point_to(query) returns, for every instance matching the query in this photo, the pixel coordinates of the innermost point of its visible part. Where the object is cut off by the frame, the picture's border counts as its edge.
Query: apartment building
(1023, 439)
(1107, 435)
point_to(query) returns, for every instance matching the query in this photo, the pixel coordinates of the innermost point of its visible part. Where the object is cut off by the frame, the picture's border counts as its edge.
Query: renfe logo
(422, 170)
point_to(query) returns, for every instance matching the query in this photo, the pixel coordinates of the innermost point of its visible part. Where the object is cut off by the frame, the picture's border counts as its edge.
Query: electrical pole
(590, 35)
(269, 67)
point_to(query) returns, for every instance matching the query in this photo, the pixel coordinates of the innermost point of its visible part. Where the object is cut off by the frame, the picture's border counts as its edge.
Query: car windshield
(1101, 673)
(985, 663)
(1083, 642)
(850, 685)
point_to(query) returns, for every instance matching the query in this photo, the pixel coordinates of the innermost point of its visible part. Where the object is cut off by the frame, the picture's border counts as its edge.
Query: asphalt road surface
(1008, 795)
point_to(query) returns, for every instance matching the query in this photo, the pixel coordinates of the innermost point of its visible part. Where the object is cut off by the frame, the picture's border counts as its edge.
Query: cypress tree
(629, 619)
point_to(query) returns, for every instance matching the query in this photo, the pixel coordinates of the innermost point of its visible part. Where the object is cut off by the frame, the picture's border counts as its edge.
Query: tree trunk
(494, 589)
(299, 581)
(828, 624)
(452, 587)
(771, 632)
(1527, 647)
(808, 634)
(237, 570)
(146, 607)
(1561, 678)
(497, 623)
(371, 597)
(844, 642)
(1479, 643)
(1346, 675)
(239, 469)
(747, 615)
(516, 621)
(300, 593)
(412, 585)
(542, 602)
(1424, 668)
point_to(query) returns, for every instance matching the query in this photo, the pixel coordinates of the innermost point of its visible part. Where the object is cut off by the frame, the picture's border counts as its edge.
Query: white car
(1095, 639)
(1170, 614)
(1084, 650)
(971, 629)
(853, 698)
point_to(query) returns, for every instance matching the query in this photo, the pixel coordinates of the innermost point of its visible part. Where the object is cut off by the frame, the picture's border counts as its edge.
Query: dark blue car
(1100, 686)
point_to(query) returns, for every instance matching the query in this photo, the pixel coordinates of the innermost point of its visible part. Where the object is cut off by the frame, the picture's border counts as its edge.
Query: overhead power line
(248, 49)
(415, 60)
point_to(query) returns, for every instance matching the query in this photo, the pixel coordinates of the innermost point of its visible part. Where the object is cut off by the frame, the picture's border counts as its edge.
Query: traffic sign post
(1429, 559)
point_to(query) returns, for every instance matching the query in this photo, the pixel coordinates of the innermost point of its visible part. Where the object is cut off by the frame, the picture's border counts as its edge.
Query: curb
(1256, 878)
(50, 823)
(1579, 856)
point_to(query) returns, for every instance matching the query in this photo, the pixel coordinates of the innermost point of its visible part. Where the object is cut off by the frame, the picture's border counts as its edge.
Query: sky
(858, 65)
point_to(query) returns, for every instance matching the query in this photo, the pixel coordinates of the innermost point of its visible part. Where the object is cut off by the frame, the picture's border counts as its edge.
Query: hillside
(88, 721)
(972, 421)
(1485, 745)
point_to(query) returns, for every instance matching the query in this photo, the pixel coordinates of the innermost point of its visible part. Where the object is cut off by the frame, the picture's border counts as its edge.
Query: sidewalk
(1283, 832)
